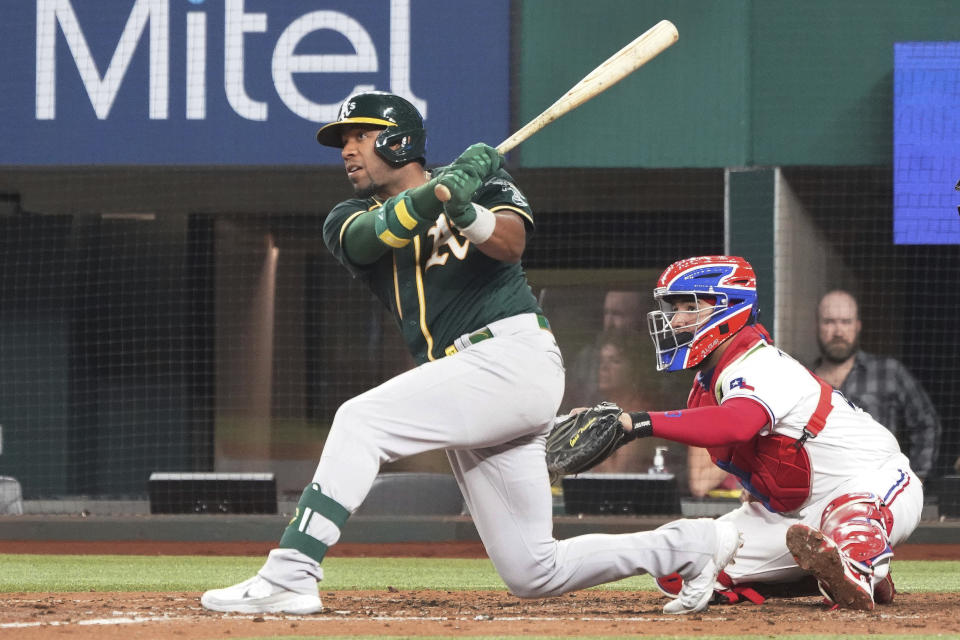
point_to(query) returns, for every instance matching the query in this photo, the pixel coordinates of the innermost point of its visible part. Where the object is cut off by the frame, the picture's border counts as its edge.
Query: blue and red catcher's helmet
(727, 283)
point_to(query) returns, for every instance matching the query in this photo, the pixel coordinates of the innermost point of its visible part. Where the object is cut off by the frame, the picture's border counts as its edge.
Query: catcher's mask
(723, 293)
(402, 125)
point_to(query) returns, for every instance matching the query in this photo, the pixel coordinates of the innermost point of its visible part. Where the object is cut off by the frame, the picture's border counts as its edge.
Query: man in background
(624, 311)
(879, 385)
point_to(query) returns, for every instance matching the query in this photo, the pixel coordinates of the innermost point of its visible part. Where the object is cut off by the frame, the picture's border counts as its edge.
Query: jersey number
(443, 236)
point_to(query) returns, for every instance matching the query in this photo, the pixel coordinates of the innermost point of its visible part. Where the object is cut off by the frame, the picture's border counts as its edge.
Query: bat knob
(442, 193)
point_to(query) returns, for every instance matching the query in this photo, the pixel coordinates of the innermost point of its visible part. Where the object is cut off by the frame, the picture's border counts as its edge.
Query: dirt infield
(442, 613)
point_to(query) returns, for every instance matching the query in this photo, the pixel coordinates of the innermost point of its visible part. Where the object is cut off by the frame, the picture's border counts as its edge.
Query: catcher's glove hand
(583, 440)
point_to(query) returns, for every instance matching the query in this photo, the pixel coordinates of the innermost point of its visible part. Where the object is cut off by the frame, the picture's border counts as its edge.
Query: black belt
(483, 334)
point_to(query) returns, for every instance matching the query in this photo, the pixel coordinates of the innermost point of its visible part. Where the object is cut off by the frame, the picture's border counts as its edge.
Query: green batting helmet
(402, 124)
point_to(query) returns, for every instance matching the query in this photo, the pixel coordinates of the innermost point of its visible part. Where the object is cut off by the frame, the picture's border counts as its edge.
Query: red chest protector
(774, 469)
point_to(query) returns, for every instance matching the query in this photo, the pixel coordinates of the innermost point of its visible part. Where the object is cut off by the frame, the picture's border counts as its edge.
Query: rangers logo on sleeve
(740, 383)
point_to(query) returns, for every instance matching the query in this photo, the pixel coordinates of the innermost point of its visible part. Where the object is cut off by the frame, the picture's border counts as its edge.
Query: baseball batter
(831, 492)
(487, 388)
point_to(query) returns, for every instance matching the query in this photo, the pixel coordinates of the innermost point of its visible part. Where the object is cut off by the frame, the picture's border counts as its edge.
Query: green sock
(312, 503)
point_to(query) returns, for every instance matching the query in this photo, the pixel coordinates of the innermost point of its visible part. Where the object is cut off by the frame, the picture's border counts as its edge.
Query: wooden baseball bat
(645, 48)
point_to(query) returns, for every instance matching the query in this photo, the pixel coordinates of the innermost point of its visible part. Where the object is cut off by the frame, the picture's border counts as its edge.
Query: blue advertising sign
(926, 142)
(240, 82)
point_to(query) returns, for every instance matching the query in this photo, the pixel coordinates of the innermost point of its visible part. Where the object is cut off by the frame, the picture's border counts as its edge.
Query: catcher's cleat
(884, 591)
(839, 581)
(724, 592)
(257, 595)
(696, 593)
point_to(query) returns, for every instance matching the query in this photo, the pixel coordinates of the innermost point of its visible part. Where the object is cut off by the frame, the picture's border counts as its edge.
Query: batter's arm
(368, 235)
(508, 240)
(360, 242)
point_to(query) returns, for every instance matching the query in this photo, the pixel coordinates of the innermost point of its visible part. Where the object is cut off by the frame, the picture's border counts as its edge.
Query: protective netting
(167, 304)
(137, 343)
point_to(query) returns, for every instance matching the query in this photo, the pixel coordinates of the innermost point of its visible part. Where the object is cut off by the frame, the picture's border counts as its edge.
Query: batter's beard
(367, 191)
(838, 351)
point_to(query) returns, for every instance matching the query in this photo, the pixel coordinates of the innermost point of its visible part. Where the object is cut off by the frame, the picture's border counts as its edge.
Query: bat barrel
(637, 53)
(640, 51)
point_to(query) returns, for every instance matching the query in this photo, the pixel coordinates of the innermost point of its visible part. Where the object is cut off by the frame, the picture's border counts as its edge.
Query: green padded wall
(822, 76)
(748, 83)
(750, 233)
(684, 108)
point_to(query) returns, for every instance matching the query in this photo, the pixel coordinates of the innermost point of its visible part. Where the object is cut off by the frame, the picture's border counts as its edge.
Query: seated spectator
(619, 363)
(624, 311)
(879, 385)
(705, 479)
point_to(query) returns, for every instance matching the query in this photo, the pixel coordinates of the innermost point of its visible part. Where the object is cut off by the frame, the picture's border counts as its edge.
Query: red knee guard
(859, 523)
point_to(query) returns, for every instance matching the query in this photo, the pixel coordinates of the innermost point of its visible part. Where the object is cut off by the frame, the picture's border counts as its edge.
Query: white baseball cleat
(838, 578)
(697, 592)
(257, 595)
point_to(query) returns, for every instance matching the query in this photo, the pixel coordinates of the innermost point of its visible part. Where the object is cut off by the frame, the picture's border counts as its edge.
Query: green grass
(52, 573)
(45, 573)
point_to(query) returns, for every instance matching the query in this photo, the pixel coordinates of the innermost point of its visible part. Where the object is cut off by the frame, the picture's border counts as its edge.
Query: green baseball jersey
(440, 286)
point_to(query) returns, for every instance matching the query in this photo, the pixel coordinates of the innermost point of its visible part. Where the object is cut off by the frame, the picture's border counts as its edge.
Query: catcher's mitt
(581, 441)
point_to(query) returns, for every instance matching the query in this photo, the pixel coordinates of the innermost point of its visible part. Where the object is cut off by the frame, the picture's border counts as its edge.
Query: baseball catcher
(587, 437)
(830, 491)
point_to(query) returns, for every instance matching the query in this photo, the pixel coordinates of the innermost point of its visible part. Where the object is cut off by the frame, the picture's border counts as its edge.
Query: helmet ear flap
(412, 145)
(754, 311)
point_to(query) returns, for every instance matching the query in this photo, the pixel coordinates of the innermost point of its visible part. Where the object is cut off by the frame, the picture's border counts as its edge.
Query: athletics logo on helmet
(403, 138)
(723, 290)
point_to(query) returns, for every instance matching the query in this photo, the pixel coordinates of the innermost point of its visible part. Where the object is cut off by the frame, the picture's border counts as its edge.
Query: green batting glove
(397, 221)
(425, 201)
(483, 158)
(462, 182)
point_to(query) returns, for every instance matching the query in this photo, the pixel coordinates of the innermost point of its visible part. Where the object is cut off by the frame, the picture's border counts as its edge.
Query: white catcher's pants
(491, 406)
(764, 556)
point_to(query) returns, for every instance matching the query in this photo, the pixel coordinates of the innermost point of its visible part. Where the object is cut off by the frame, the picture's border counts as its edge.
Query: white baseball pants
(764, 556)
(490, 406)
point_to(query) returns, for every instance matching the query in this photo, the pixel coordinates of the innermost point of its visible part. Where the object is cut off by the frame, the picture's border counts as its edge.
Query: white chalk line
(342, 615)
(94, 622)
